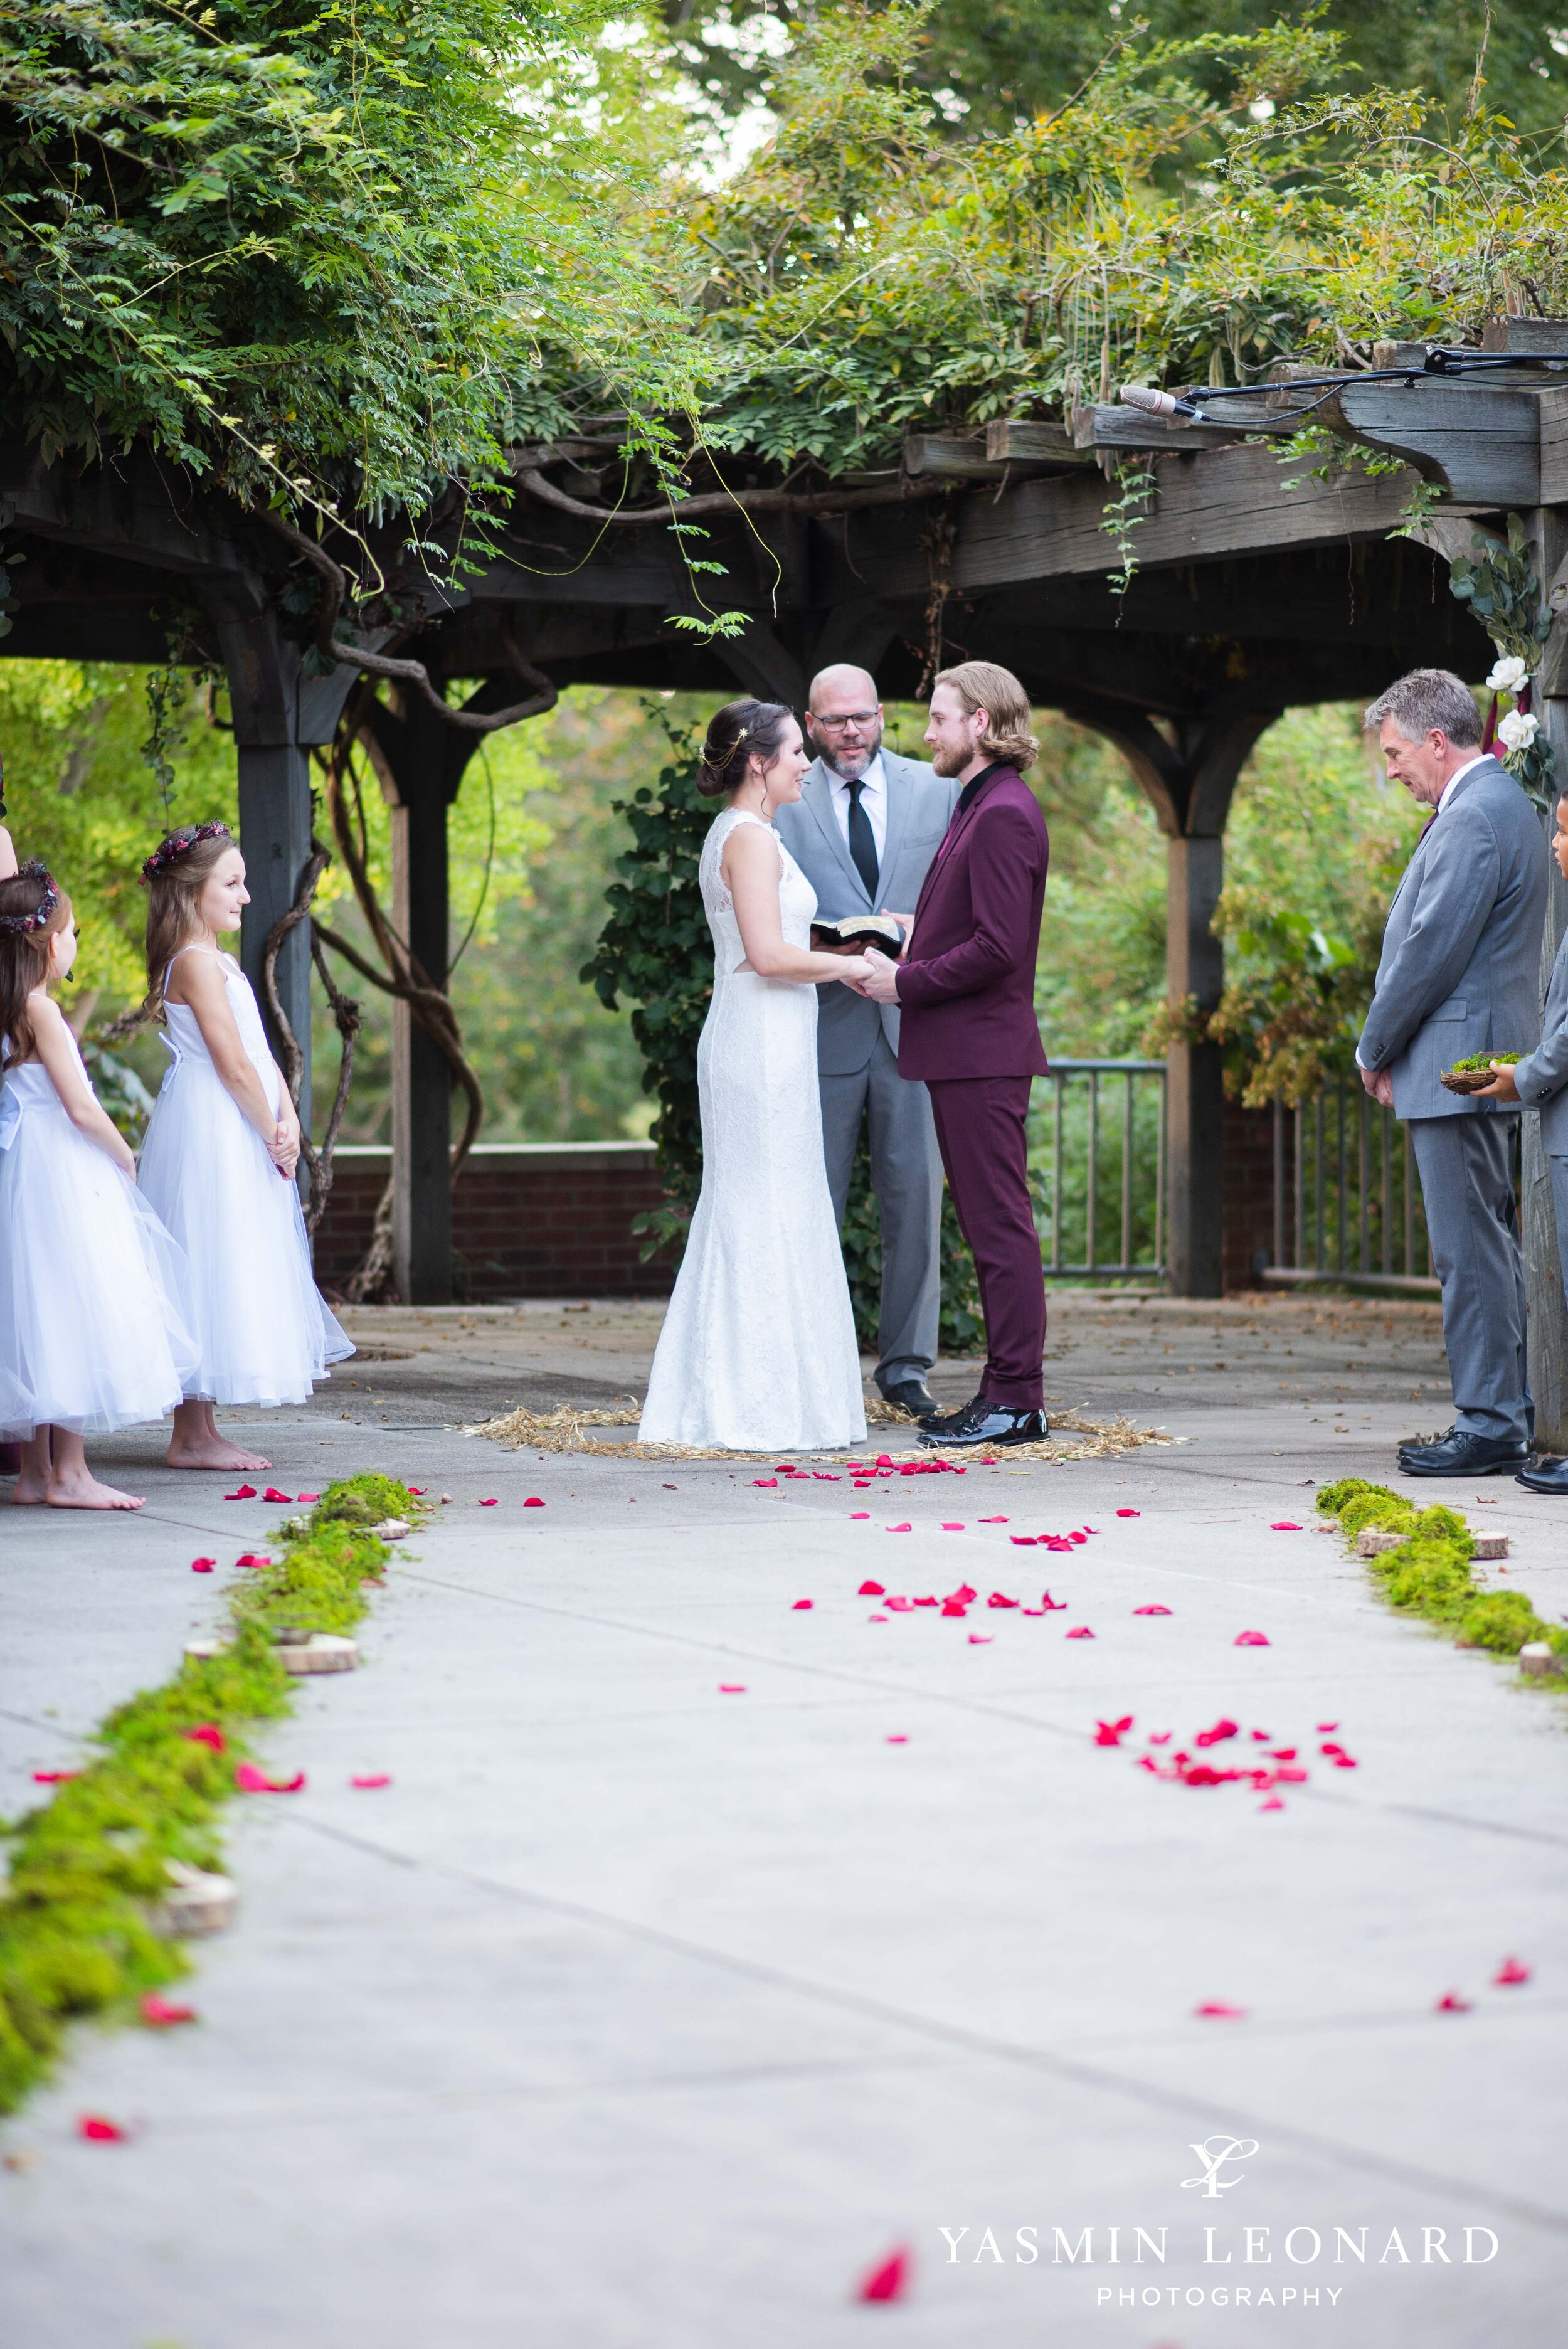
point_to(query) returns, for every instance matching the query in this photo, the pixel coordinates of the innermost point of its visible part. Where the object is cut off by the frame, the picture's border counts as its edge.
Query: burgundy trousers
(980, 1133)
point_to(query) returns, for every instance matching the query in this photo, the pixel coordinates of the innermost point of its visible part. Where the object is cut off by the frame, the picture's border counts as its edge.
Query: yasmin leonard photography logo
(1214, 2152)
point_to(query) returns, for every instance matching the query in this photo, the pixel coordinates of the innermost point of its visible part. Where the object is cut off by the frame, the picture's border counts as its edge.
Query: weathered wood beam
(1132, 432)
(1479, 440)
(1239, 501)
(1010, 439)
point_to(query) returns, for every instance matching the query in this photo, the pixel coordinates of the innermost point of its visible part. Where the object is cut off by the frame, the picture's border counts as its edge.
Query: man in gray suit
(1459, 975)
(1541, 1082)
(863, 830)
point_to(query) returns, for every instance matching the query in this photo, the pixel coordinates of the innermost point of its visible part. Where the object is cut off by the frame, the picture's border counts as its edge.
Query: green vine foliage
(323, 253)
(656, 953)
(1499, 584)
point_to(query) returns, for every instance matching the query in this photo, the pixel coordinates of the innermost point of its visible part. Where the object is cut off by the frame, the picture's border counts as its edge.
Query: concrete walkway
(639, 2014)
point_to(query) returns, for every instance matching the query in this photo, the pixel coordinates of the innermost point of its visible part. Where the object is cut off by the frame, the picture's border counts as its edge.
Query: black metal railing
(1346, 1196)
(1097, 1163)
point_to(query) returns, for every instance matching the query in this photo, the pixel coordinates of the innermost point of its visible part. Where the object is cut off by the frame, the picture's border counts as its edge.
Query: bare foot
(33, 1474)
(29, 1490)
(211, 1452)
(78, 1488)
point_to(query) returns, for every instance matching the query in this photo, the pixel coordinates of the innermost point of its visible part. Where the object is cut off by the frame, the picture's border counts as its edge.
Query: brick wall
(1248, 1183)
(550, 1219)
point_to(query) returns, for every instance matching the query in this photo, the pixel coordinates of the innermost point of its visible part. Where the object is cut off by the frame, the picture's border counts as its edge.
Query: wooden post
(262, 668)
(1547, 1309)
(1189, 782)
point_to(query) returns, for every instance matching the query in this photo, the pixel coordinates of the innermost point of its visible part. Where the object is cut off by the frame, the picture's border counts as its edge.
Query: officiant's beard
(850, 765)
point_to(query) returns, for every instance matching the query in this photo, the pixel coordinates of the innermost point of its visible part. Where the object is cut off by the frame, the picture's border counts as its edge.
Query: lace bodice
(797, 898)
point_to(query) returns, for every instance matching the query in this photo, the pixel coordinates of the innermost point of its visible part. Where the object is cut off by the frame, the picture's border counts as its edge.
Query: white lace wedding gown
(757, 1350)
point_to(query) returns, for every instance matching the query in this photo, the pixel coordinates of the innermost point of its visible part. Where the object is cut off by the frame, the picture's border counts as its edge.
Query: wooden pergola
(1263, 583)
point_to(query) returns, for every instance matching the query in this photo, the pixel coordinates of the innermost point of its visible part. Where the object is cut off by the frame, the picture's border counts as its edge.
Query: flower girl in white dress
(758, 1349)
(92, 1333)
(218, 1159)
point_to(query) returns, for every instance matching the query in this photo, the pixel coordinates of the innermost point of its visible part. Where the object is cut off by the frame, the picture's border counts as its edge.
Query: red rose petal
(1261, 1735)
(900, 1606)
(899, 1739)
(861, 1517)
(245, 1492)
(373, 1778)
(1160, 1737)
(997, 1598)
(1451, 2002)
(952, 1530)
(1077, 1537)
(900, 1529)
(993, 1521)
(202, 1565)
(1129, 1513)
(1324, 1725)
(253, 1557)
(1080, 1631)
(879, 1618)
(1151, 1610)
(416, 1492)
(981, 1638)
(732, 1687)
(207, 1732)
(785, 1468)
(890, 2279)
(1023, 1541)
(1111, 1732)
(307, 1496)
(161, 2015)
(871, 1590)
(99, 2130)
(1050, 1605)
(1510, 1973)
(955, 1607)
(1218, 2008)
(1289, 1775)
(1250, 1640)
(1222, 1729)
(1275, 1803)
(1284, 1526)
(1284, 1754)
(272, 1494)
(799, 1605)
(53, 1777)
(251, 1781)
(488, 1504)
(533, 1502)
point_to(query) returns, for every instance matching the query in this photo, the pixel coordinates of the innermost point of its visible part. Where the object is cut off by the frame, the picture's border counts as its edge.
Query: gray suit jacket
(1460, 971)
(1542, 1076)
(920, 803)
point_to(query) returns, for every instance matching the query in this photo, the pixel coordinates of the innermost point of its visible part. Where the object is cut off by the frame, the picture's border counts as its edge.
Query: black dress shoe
(1544, 1477)
(940, 1423)
(985, 1422)
(1459, 1454)
(912, 1395)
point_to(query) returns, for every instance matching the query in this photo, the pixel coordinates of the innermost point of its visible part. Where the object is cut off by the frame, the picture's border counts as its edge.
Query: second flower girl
(218, 1159)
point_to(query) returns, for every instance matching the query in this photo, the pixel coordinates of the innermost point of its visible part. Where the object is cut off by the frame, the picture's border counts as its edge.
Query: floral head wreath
(40, 916)
(179, 843)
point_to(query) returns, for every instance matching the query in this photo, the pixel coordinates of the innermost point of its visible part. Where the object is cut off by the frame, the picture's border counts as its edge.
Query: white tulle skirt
(93, 1330)
(263, 1332)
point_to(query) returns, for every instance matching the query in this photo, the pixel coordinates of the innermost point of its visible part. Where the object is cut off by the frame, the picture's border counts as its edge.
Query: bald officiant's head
(844, 718)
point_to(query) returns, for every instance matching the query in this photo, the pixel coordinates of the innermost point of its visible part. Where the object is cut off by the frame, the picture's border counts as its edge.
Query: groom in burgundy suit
(965, 985)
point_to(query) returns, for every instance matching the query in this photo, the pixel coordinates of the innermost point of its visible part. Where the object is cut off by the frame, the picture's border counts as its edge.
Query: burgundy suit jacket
(968, 985)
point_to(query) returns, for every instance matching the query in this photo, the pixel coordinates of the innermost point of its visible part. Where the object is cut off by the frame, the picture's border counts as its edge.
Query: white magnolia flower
(1516, 732)
(1507, 675)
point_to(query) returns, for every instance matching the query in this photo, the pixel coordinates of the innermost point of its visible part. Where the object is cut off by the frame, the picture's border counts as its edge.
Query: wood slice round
(324, 1652)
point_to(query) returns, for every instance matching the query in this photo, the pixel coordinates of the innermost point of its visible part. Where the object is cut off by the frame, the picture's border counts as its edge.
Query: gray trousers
(906, 1176)
(1558, 1168)
(1467, 1189)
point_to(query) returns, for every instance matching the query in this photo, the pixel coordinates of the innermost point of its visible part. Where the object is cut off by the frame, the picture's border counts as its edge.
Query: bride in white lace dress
(757, 1350)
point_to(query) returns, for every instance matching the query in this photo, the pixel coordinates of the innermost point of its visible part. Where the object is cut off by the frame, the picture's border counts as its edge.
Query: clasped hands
(881, 986)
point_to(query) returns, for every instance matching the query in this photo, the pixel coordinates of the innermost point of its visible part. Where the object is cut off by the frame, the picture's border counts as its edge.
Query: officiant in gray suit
(1459, 975)
(863, 832)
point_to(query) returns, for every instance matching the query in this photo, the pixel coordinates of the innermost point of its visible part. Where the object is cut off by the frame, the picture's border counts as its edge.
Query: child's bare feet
(80, 1489)
(73, 1485)
(211, 1452)
(195, 1442)
(31, 1487)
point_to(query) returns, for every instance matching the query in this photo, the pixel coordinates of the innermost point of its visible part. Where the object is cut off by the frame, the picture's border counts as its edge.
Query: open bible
(857, 931)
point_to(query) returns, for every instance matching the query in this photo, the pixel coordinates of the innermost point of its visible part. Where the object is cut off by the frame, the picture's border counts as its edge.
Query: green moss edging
(89, 1868)
(1431, 1573)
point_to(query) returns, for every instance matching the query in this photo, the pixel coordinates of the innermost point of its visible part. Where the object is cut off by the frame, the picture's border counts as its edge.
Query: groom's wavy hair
(981, 684)
(740, 731)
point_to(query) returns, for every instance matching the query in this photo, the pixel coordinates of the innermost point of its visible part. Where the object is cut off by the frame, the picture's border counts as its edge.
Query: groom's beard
(850, 765)
(949, 762)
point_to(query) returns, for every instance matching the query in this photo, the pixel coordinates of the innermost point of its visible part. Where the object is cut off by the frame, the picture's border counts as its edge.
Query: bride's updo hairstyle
(176, 873)
(741, 731)
(32, 907)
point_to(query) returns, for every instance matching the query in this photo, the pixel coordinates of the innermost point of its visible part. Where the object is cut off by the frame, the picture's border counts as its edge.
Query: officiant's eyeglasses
(837, 725)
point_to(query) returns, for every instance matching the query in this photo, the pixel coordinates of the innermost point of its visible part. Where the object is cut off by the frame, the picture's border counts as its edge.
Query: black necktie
(863, 840)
